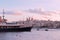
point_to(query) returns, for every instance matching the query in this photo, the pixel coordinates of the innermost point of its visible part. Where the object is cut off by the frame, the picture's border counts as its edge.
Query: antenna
(3, 15)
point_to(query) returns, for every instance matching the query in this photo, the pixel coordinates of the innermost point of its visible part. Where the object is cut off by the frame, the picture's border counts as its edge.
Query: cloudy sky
(38, 9)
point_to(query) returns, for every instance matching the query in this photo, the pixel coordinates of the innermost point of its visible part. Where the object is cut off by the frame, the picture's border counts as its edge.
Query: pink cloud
(22, 15)
(16, 13)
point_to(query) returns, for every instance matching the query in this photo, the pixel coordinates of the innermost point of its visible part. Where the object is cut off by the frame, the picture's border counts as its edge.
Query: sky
(30, 4)
(29, 8)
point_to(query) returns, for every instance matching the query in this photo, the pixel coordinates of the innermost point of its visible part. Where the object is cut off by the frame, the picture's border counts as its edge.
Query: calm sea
(35, 34)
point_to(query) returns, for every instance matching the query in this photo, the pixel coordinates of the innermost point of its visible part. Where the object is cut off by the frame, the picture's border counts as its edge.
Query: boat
(12, 27)
(46, 29)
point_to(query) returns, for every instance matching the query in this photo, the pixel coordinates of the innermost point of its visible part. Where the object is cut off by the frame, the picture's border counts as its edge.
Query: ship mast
(3, 15)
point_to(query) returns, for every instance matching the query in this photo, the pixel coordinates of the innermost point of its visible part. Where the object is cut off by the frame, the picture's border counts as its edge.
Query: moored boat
(13, 28)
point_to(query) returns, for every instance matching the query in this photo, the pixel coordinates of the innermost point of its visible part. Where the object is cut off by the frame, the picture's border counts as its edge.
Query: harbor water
(41, 34)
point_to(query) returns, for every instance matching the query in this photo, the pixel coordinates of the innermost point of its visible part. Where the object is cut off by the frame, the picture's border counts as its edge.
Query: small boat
(46, 29)
(37, 29)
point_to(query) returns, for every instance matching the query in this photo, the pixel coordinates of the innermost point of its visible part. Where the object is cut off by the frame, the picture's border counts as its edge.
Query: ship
(7, 27)
(12, 27)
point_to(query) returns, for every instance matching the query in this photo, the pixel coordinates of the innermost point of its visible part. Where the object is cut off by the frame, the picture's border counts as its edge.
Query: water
(53, 34)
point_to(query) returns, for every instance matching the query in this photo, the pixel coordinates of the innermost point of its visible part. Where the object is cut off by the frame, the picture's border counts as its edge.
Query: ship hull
(27, 29)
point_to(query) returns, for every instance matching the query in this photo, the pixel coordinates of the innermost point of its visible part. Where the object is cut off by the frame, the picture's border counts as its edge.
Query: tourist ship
(9, 27)
(12, 27)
